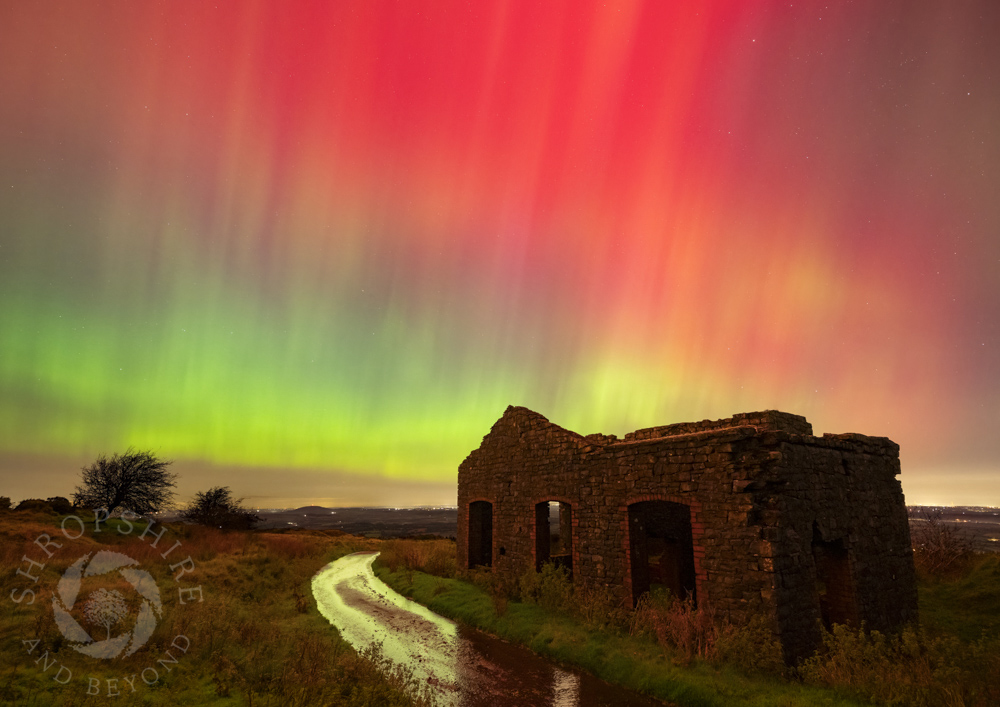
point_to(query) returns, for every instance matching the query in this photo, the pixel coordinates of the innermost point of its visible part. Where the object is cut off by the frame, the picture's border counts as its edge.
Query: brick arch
(697, 537)
(562, 499)
(575, 505)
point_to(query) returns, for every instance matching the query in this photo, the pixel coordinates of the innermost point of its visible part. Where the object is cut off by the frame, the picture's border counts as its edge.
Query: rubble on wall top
(764, 420)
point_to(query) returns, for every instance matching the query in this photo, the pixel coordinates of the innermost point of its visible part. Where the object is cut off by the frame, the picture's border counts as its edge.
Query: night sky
(312, 250)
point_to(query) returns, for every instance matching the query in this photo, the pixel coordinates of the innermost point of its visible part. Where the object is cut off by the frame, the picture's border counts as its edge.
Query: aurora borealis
(305, 247)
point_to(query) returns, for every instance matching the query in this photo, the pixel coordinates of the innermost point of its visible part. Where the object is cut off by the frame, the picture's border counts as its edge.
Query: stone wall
(781, 522)
(766, 420)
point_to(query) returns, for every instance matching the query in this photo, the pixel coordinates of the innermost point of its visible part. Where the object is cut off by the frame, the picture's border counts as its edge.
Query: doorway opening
(661, 549)
(834, 582)
(480, 534)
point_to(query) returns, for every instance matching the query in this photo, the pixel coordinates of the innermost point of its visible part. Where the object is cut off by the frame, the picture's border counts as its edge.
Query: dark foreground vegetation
(685, 655)
(257, 638)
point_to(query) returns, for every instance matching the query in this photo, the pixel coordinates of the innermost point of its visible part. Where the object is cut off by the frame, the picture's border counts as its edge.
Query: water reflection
(465, 667)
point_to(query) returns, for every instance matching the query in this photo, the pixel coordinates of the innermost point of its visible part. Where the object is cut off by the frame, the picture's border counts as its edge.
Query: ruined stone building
(748, 514)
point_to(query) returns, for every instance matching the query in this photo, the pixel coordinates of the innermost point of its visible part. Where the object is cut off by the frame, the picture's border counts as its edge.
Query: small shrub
(218, 508)
(501, 588)
(435, 556)
(939, 549)
(302, 604)
(60, 505)
(751, 647)
(390, 555)
(690, 632)
(601, 608)
(690, 629)
(911, 668)
(643, 619)
(441, 560)
(4, 503)
(550, 587)
(34, 504)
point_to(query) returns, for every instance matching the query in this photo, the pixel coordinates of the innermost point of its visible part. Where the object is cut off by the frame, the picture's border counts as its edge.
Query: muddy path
(465, 667)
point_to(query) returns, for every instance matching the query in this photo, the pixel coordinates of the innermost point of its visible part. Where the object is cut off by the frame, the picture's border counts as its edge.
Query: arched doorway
(661, 548)
(480, 534)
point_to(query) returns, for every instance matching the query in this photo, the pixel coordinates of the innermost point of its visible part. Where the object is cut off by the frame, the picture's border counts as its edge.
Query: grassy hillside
(966, 606)
(255, 639)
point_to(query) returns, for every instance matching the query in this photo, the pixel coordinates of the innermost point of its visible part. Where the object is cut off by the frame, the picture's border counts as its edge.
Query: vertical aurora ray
(346, 236)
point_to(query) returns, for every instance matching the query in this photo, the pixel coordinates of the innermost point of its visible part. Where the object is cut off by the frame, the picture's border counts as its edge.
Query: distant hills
(313, 509)
(373, 522)
(980, 524)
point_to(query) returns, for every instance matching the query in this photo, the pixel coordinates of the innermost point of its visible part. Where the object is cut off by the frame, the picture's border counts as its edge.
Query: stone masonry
(751, 514)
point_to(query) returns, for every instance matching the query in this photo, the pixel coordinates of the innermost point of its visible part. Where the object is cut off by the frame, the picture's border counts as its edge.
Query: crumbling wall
(838, 495)
(775, 513)
(523, 461)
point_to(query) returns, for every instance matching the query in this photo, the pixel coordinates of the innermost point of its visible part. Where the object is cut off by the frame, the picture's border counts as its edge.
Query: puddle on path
(466, 667)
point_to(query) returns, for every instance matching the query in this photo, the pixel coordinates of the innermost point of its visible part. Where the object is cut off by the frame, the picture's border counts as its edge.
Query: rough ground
(465, 667)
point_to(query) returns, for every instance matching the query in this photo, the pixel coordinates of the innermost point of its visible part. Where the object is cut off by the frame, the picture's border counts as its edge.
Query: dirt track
(465, 667)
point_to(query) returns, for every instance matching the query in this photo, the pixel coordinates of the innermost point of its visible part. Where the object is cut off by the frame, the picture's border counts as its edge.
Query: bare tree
(939, 548)
(218, 507)
(134, 481)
